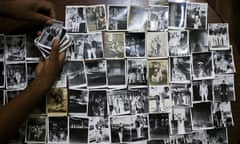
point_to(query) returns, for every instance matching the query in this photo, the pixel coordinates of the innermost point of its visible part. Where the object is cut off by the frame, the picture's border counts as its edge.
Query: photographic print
(61, 80)
(75, 20)
(202, 66)
(97, 103)
(2, 47)
(158, 72)
(219, 135)
(2, 73)
(139, 128)
(31, 67)
(181, 95)
(178, 42)
(10, 94)
(157, 2)
(199, 136)
(162, 141)
(197, 15)
(157, 44)
(78, 101)
(218, 36)
(96, 18)
(157, 18)
(177, 139)
(177, 15)
(223, 88)
(2, 98)
(32, 53)
(2, 54)
(198, 41)
(114, 45)
(15, 48)
(135, 45)
(202, 90)
(137, 19)
(75, 51)
(117, 17)
(180, 69)
(116, 73)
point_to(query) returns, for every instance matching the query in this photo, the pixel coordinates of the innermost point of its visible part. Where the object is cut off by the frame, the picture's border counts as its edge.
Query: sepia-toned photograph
(198, 41)
(116, 73)
(181, 95)
(177, 15)
(137, 19)
(97, 103)
(117, 17)
(202, 91)
(157, 18)
(78, 101)
(135, 45)
(75, 51)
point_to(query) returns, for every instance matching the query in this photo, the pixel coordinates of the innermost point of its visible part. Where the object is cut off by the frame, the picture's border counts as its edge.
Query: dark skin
(13, 114)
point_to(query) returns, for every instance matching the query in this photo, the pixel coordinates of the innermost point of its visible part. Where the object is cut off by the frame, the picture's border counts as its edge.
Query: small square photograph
(202, 90)
(98, 130)
(223, 88)
(219, 135)
(16, 75)
(116, 73)
(2, 74)
(137, 19)
(97, 103)
(75, 51)
(202, 117)
(93, 46)
(96, 18)
(159, 99)
(2, 98)
(31, 67)
(178, 42)
(181, 95)
(157, 2)
(15, 47)
(36, 129)
(218, 36)
(114, 45)
(157, 18)
(198, 41)
(180, 121)
(75, 20)
(119, 102)
(223, 62)
(76, 74)
(78, 101)
(202, 66)
(197, 15)
(139, 128)
(57, 129)
(137, 71)
(157, 44)
(135, 45)
(78, 129)
(180, 69)
(10, 94)
(158, 72)
(117, 17)
(32, 53)
(199, 136)
(57, 101)
(96, 73)
(177, 15)
(159, 126)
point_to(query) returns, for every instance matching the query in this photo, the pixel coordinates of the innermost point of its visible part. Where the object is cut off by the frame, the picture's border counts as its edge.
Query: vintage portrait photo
(117, 17)
(114, 45)
(157, 18)
(177, 15)
(218, 135)
(75, 20)
(158, 72)
(198, 41)
(2, 74)
(139, 128)
(202, 90)
(97, 103)
(32, 53)
(137, 19)
(96, 18)
(157, 44)
(116, 72)
(135, 45)
(181, 95)
(77, 101)
(75, 51)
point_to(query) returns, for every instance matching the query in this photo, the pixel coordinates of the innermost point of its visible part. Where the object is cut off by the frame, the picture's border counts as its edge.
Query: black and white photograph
(31, 67)
(157, 44)
(16, 75)
(2, 53)
(157, 2)
(157, 18)
(158, 72)
(116, 73)
(117, 17)
(2, 47)
(137, 19)
(178, 42)
(137, 72)
(61, 80)
(114, 45)
(139, 128)
(223, 62)
(75, 51)
(57, 129)
(97, 103)
(180, 69)
(202, 117)
(99, 131)
(177, 14)
(2, 73)
(76, 75)
(180, 121)
(78, 101)
(75, 20)
(32, 53)
(198, 41)
(57, 101)
(218, 36)
(177, 139)
(96, 73)
(202, 91)
(10, 94)
(36, 129)
(78, 129)
(181, 95)
(96, 18)
(15, 48)
(197, 15)
(219, 135)
(223, 88)
(135, 45)
(2, 98)
(19, 136)
(202, 66)
(199, 136)
(93, 46)
(161, 141)
(159, 127)
(159, 99)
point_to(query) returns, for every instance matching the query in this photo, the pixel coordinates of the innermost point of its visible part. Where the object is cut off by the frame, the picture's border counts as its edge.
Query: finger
(61, 58)
(39, 33)
(48, 7)
(40, 17)
(40, 66)
(55, 50)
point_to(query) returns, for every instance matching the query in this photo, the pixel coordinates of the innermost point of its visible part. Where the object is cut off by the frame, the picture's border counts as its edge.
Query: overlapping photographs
(78, 101)
(198, 41)
(116, 71)
(135, 45)
(137, 19)
(117, 18)
(177, 14)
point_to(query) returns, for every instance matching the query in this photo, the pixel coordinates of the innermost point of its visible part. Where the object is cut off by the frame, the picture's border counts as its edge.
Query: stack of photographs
(158, 74)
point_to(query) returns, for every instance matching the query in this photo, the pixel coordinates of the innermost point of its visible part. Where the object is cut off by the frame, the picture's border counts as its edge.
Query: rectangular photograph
(137, 19)
(31, 67)
(117, 17)
(157, 18)
(202, 91)
(181, 95)
(75, 51)
(157, 2)
(135, 45)
(11, 94)
(198, 41)
(177, 14)
(217, 135)
(78, 101)
(116, 71)
(139, 129)
(97, 103)
(32, 53)
(2, 74)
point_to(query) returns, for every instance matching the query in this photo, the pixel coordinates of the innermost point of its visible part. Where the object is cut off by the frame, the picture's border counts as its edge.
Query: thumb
(55, 50)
